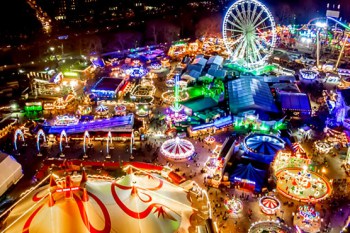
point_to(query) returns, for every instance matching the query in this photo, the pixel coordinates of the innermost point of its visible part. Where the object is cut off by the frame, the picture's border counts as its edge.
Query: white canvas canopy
(135, 203)
(10, 172)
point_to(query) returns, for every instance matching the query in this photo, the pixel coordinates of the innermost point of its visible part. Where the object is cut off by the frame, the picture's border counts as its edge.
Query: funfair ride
(249, 34)
(175, 114)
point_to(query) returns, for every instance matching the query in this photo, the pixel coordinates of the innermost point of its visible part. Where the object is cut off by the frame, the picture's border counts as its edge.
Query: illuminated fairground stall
(178, 49)
(177, 149)
(303, 185)
(84, 110)
(144, 92)
(251, 122)
(66, 120)
(296, 157)
(120, 110)
(309, 74)
(142, 110)
(135, 70)
(108, 88)
(307, 219)
(165, 62)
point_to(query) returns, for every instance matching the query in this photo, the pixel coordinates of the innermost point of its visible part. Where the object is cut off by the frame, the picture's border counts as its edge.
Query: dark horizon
(16, 17)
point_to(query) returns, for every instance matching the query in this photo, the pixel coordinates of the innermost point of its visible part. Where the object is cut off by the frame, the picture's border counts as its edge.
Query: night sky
(16, 15)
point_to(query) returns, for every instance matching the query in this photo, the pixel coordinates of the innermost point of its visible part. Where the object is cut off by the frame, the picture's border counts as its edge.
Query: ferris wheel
(249, 33)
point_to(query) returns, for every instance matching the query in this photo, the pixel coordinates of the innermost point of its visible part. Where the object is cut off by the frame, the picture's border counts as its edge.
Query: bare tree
(161, 31)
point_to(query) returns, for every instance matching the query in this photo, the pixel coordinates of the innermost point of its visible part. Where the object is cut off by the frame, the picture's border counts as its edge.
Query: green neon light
(74, 74)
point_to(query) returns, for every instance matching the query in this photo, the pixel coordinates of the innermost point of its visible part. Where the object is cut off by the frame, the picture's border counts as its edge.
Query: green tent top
(200, 104)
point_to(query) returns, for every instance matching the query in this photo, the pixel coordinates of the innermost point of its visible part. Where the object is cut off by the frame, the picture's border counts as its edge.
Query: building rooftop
(295, 101)
(200, 104)
(250, 94)
(107, 84)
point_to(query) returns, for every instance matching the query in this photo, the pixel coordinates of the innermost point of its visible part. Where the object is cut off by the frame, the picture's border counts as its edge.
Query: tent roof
(200, 104)
(295, 101)
(250, 93)
(249, 172)
(136, 202)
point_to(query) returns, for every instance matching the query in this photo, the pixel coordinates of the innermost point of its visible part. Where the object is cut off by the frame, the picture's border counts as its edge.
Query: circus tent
(263, 147)
(249, 177)
(134, 203)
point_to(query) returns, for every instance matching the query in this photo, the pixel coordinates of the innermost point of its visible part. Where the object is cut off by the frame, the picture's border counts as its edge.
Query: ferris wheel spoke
(241, 20)
(257, 25)
(244, 13)
(262, 50)
(248, 11)
(232, 43)
(257, 51)
(243, 50)
(257, 17)
(249, 52)
(239, 47)
(234, 24)
(266, 27)
(234, 30)
(253, 13)
(236, 20)
(252, 55)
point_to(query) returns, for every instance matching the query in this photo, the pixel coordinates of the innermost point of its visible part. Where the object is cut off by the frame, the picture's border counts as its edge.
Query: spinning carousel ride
(233, 206)
(269, 205)
(177, 149)
(307, 219)
(262, 147)
(102, 111)
(303, 185)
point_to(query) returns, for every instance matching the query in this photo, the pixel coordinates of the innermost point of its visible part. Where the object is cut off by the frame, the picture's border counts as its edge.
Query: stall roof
(295, 101)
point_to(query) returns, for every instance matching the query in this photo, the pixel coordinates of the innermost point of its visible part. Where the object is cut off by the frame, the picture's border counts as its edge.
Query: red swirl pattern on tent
(81, 207)
(138, 200)
(138, 191)
(269, 205)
